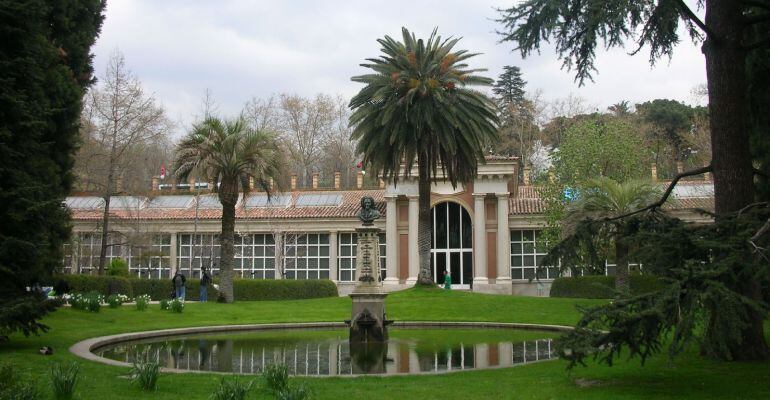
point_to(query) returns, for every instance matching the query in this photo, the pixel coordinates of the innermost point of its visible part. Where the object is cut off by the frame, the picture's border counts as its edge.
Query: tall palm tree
(230, 154)
(604, 198)
(416, 107)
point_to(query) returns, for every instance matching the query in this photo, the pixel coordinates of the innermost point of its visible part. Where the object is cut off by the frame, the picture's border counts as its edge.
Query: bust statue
(368, 213)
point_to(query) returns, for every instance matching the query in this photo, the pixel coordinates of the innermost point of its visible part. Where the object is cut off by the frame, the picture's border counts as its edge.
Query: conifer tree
(45, 67)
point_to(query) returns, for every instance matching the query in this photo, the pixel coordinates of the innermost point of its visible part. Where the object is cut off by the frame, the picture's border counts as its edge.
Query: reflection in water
(328, 356)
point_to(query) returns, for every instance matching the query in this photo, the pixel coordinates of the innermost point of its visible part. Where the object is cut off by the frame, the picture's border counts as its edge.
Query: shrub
(601, 287)
(116, 300)
(164, 303)
(176, 305)
(276, 378)
(282, 289)
(105, 285)
(300, 392)
(142, 302)
(92, 301)
(231, 390)
(13, 386)
(64, 376)
(245, 289)
(117, 267)
(145, 374)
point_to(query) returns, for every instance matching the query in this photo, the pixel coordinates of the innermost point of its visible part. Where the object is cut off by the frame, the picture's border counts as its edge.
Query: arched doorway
(452, 245)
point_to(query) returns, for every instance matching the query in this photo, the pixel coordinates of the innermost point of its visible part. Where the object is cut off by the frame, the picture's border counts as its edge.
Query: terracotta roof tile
(351, 203)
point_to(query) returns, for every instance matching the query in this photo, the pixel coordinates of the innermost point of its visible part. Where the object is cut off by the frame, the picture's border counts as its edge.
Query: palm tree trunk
(621, 267)
(424, 223)
(228, 200)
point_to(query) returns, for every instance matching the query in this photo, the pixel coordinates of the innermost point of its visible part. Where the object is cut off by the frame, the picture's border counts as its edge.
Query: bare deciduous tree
(120, 123)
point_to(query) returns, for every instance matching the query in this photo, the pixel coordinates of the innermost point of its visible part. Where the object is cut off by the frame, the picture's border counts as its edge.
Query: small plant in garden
(145, 374)
(276, 377)
(115, 300)
(164, 303)
(142, 302)
(93, 301)
(234, 389)
(300, 392)
(277, 382)
(16, 387)
(176, 305)
(76, 301)
(64, 376)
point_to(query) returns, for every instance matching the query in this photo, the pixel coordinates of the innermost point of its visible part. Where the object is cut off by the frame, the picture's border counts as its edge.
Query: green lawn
(686, 377)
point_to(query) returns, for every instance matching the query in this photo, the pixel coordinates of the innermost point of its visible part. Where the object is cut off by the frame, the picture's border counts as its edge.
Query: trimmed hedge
(283, 289)
(602, 287)
(245, 289)
(104, 285)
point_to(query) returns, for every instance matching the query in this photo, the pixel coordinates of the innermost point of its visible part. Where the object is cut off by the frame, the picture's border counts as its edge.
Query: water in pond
(327, 352)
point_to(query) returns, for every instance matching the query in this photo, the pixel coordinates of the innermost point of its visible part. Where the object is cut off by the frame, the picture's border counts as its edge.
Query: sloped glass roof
(694, 190)
(84, 203)
(261, 200)
(127, 202)
(209, 201)
(171, 202)
(319, 200)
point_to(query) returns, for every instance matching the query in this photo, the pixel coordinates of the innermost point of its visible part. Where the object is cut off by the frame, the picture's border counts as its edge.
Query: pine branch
(666, 194)
(687, 12)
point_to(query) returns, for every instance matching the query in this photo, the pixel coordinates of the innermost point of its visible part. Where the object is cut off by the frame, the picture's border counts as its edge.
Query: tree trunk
(105, 225)
(424, 223)
(228, 196)
(621, 267)
(731, 158)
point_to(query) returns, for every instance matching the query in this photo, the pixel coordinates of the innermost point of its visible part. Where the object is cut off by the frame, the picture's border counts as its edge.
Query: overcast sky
(242, 49)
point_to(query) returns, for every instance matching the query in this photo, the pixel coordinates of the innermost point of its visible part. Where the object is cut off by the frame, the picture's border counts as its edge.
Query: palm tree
(416, 107)
(230, 154)
(601, 200)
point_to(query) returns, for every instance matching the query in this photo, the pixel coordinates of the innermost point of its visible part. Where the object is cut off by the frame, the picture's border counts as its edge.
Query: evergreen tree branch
(666, 194)
(687, 12)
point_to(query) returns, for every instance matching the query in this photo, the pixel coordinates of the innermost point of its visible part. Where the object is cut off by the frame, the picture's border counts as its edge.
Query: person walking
(179, 281)
(205, 281)
(447, 280)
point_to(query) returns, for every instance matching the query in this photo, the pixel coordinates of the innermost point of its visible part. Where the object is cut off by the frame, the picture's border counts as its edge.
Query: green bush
(117, 267)
(146, 374)
(142, 301)
(104, 285)
(176, 306)
(258, 289)
(164, 304)
(601, 287)
(158, 289)
(64, 376)
(14, 386)
(234, 389)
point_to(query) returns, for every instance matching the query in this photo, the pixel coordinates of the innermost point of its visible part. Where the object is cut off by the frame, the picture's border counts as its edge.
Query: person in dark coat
(179, 281)
(205, 281)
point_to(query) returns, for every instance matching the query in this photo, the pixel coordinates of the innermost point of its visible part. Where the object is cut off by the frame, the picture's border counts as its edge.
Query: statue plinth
(367, 319)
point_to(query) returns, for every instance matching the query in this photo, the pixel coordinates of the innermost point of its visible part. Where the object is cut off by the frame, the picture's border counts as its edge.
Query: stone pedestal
(367, 317)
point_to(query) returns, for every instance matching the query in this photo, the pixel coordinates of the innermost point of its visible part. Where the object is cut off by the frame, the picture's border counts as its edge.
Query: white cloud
(241, 49)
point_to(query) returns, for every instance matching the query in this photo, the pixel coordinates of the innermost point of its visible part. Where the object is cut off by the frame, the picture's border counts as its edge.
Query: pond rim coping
(84, 348)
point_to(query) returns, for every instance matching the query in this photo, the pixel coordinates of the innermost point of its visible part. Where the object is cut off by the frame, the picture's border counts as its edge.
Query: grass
(688, 376)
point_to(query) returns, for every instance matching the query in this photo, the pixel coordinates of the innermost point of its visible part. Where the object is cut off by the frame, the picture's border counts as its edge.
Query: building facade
(486, 233)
